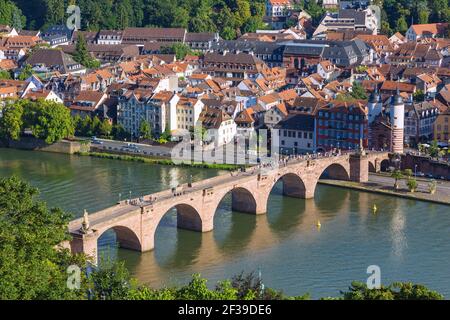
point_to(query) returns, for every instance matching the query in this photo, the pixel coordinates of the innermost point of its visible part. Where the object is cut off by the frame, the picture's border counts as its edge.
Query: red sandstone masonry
(135, 223)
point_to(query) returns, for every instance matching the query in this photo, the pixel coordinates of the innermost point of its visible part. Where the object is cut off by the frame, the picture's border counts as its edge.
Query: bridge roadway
(135, 221)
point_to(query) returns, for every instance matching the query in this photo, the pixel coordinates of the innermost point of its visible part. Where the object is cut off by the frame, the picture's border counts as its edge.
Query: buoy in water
(374, 208)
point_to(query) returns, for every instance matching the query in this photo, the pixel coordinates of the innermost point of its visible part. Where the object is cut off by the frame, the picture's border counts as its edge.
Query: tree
(105, 128)
(32, 266)
(419, 96)
(5, 75)
(11, 122)
(358, 91)
(49, 121)
(179, 49)
(111, 281)
(408, 173)
(397, 175)
(95, 126)
(11, 15)
(432, 186)
(315, 10)
(25, 73)
(145, 130)
(82, 55)
(433, 150)
(412, 184)
(402, 25)
(423, 15)
(395, 291)
(119, 132)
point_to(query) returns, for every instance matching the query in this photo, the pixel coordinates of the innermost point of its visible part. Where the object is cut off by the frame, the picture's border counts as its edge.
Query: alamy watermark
(74, 20)
(210, 146)
(74, 277)
(374, 280)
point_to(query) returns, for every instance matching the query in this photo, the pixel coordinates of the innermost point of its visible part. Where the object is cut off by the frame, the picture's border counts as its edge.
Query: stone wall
(426, 165)
(63, 146)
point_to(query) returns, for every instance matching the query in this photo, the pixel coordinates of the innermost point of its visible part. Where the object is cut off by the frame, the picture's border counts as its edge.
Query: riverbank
(33, 144)
(438, 197)
(159, 161)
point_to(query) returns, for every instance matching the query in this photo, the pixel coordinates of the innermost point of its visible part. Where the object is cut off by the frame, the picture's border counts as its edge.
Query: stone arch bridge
(135, 221)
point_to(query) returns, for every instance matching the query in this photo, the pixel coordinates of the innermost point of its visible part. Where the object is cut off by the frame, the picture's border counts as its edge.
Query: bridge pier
(359, 168)
(86, 244)
(245, 202)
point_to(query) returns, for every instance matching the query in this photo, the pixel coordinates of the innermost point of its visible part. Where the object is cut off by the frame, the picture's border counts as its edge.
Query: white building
(278, 8)
(109, 37)
(296, 134)
(188, 111)
(220, 126)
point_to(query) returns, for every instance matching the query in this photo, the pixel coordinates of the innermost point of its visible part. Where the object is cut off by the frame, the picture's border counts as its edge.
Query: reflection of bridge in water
(135, 221)
(246, 235)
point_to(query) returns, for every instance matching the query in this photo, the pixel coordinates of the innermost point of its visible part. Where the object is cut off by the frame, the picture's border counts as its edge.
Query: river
(409, 240)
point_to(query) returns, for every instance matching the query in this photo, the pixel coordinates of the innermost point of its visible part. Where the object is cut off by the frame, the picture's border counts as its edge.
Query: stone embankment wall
(63, 146)
(426, 165)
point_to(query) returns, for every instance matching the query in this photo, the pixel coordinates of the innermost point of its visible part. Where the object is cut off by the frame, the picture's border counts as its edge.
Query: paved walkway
(384, 184)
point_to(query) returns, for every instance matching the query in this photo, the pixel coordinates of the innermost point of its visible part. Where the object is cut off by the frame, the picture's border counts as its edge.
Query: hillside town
(224, 150)
(339, 85)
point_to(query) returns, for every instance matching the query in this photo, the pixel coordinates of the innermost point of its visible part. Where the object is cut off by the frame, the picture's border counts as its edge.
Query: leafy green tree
(82, 54)
(145, 130)
(11, 122)
(105, 128)
(11, 15)
(95, 126)
(423, 15)
(419, 96)
(432, 186)
(5, 75)
(119, 132)
(433, 150)
(315, 10)
(179, 49)
(358, 91)
(408, 173)
(111, 281)
(49, 121)
(395, 291)
(412, 184)
(396, 175)
(180, 18)
(32, 267)
(26, 72)
(402, 25)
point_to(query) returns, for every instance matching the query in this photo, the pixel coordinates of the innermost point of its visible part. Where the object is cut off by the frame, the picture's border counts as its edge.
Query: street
(442, 187)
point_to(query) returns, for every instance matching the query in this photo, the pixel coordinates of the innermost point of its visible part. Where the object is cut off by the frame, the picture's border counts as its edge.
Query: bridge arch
(372, 167)
(336, 171)
(385, 164)
(242, 200)
(293, 186)
(125, 237)
(187, 217)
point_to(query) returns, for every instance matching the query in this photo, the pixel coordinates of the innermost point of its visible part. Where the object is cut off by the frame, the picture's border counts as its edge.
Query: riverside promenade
(383, 184)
